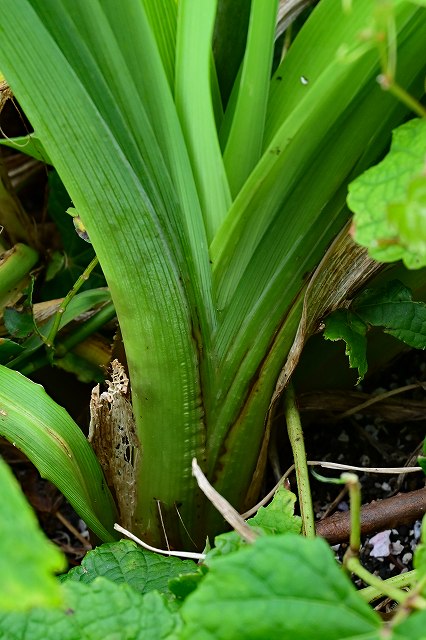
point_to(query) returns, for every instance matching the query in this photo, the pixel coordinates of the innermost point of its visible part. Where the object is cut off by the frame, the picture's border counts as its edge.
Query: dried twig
(378, 398)
(222, 505)
(166, 552)
(63, 520)
(350, 467)
(378, 515)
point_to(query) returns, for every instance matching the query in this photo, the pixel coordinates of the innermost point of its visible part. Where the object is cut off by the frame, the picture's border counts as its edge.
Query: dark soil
(367, 440)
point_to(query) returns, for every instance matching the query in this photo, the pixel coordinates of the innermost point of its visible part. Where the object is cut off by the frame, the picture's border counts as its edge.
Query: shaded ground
(378, 436)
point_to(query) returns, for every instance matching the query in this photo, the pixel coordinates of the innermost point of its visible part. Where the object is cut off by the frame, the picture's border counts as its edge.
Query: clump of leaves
(281, 585)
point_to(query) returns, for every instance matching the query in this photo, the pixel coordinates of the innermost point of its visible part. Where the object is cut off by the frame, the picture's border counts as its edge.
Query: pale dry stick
(378, 398)
(349, 467)
(86, 544)
(5, 95)
(268, 496)
(179, 554)
(183, 525)
(327, 465)
(162, 524)
(222, 505)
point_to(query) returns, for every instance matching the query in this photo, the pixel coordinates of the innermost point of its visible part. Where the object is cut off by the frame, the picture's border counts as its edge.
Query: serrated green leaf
(408, 217)
(279, 587)
(385, 197)
(123, 561)
(224, 544)
(278, 516)
(100, 611)
(392, 308)
(183, 585)
(344, 325)
(27, 559)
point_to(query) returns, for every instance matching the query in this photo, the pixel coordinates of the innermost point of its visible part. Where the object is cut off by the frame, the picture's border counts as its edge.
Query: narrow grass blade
(229, 41)
(195, 109)
(244, 145)
(162, 17)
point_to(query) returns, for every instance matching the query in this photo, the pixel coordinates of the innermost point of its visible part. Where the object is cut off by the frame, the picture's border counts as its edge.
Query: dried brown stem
(379, 515)
(331, 403)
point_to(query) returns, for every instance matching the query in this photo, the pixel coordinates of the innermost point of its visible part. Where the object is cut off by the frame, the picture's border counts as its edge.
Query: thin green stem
(371, 593)
(388, 84)
(354, 488)
(63, 346)
(49, 341)
(354, 566)
(295, 434)
(86, 329)
(351, 560)
(414, 600)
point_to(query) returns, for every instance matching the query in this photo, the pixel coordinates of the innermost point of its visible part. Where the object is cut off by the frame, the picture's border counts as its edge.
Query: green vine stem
(295, 434)
(86, 329)
(33, 362)
(408, 600)
(371, 593)
(49, 341)
(386, 41)
(388, 84)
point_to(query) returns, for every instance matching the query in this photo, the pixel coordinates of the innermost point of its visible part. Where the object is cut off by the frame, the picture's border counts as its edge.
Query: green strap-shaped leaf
(48, 436)
(277, 229)
(195, 108)
(244, 144)
(389, 200)
(99, 136)
(27, 559)
(30, 145)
